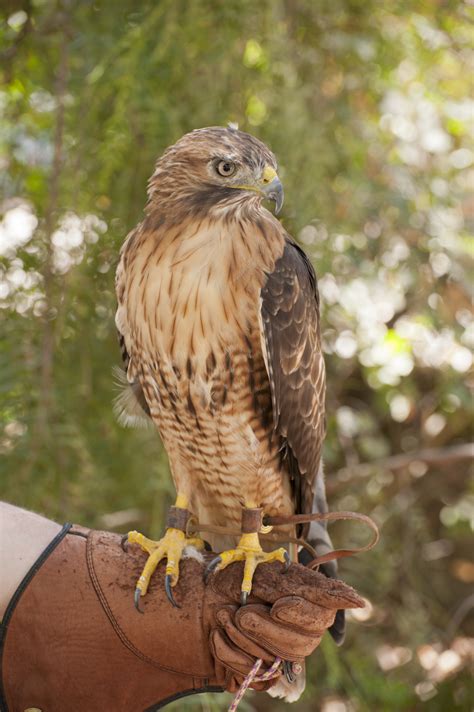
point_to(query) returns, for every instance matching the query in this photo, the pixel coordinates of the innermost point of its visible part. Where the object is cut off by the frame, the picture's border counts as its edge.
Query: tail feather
(329, 569)
(320, 540)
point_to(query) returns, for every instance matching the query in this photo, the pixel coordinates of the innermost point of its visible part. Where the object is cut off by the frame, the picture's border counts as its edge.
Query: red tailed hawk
(218, 317)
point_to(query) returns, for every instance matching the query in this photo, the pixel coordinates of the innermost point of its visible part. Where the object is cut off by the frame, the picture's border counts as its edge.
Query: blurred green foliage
(366, 105)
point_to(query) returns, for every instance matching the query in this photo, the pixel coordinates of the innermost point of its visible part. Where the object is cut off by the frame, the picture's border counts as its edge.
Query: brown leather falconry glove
(74, 641)
(286, 617)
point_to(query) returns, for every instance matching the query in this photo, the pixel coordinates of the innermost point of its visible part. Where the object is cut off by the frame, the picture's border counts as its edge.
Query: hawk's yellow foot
(248, 550)
(170, 547)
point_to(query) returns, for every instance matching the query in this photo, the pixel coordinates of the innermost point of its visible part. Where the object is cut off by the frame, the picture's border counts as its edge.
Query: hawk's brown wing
(295, 365)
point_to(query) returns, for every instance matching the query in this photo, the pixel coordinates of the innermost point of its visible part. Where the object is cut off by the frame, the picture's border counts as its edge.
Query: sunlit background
(367, 106)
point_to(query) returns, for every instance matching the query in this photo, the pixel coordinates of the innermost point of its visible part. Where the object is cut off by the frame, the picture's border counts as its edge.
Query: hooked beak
(274, 191)
(272, 188)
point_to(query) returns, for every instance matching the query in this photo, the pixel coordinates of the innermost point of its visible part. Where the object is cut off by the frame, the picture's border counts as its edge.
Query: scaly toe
(252, 560)
(170, 547)
(250, 552)
(196, 542)
(143, 542)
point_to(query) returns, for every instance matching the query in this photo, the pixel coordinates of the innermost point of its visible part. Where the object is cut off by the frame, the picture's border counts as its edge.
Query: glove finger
(229, 655)
(225, 619)
(288, 643)
(303, 615)
(237, 663)
(270, 584)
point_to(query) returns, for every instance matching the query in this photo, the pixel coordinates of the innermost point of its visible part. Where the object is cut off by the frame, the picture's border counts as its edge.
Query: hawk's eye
(225, 168)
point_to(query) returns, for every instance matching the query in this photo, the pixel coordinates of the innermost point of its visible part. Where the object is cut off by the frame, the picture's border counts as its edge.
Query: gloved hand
(287, 615)
(106, 655)
(218, 641)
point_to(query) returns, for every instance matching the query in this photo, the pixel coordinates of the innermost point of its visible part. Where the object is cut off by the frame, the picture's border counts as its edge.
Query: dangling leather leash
(330, 517)
(193, 526)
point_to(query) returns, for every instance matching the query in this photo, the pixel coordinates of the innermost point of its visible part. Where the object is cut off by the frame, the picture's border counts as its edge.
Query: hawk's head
(214, 167)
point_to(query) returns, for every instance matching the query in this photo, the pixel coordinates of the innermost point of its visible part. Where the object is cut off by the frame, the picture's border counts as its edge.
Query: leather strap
(178, 518)
(251, 519)
(194, 526)
(330, 517)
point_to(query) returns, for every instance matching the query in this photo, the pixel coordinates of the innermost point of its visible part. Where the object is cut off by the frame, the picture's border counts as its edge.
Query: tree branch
(431, 456)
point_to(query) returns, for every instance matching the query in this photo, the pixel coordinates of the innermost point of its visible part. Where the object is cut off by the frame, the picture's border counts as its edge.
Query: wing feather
(292, 349)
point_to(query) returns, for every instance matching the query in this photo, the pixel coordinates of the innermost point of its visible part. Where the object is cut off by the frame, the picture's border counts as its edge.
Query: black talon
(123, 541)
(288, 670)
(287, 562)
(211, 567)
(169, 592)
(136, 598)
(243, 598)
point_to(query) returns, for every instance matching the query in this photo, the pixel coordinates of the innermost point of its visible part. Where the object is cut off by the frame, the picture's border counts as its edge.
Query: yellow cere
(269, 174)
